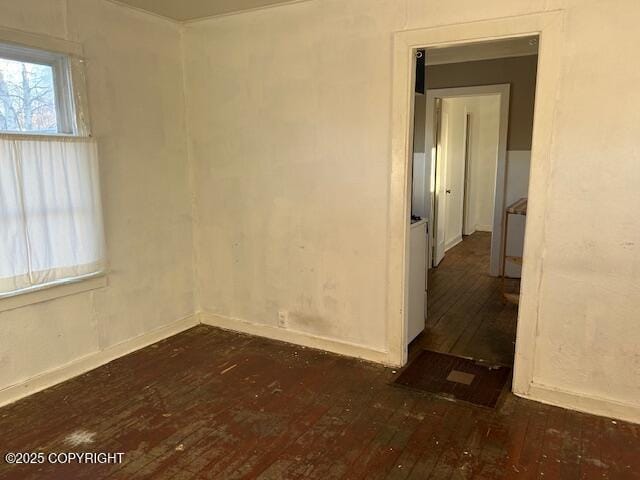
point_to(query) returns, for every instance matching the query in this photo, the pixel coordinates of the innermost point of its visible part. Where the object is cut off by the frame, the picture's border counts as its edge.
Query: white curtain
(50, 211)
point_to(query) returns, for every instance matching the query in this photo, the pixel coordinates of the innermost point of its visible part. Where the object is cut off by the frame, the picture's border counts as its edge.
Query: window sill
(13, 135)
(54, 291)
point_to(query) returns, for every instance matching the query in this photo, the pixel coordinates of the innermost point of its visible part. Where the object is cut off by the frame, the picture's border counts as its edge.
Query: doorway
(467, 133)
(468, 310)
(548, 26)
(471, 302)
(470, 307)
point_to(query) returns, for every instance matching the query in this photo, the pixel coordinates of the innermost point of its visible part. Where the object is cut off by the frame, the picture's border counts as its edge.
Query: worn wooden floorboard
(466, 312)
(213, 404)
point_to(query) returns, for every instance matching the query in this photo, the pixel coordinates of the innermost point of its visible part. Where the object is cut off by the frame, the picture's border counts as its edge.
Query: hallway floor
(466, 313)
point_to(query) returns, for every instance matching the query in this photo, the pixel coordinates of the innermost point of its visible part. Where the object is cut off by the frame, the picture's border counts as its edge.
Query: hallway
(466, 314)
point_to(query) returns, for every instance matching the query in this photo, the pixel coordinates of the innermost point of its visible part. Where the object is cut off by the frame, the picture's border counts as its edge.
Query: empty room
(329, 239)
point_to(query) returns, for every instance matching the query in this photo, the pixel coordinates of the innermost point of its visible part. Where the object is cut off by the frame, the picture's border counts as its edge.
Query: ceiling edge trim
(142, 11)
(201, 19)
(240, 12)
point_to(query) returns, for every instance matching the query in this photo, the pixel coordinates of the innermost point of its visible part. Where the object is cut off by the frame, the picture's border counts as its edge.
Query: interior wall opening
(473, 126)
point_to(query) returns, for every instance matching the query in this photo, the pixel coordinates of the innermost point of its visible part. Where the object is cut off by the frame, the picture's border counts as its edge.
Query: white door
(440, 201)
(451, 166)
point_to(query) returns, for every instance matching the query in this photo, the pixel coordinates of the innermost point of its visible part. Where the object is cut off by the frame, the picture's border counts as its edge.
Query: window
(50, 212)
(35, 91)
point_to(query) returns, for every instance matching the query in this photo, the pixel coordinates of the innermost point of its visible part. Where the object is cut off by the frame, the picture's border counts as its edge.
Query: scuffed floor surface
(466, 312)
(214, 404)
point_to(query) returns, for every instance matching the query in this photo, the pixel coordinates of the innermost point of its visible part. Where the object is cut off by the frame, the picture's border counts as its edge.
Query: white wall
(134, 83)
(483, 158)
(289, 121)
(290, 125)
(518, 166)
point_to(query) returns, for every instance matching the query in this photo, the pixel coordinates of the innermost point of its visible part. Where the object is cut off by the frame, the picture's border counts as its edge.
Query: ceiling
(183, 10)
(512, 47)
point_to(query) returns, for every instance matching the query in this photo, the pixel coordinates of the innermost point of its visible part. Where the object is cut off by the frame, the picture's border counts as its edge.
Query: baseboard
(452, 243)
(89, 362)
(537, 392)
(484, 228)
(583, 403)
(295, 337)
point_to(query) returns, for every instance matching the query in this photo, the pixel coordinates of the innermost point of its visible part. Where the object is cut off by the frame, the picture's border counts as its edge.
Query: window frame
(66, 115)
(68, 59)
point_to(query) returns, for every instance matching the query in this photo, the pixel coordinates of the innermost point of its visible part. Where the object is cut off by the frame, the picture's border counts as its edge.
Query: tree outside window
(27, 97)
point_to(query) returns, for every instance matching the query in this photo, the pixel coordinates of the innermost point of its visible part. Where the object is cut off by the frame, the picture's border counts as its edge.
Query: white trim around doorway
(549, 27)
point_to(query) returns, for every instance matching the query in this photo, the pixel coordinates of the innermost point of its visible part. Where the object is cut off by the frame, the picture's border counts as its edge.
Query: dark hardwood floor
(215, 404)
(466, 312)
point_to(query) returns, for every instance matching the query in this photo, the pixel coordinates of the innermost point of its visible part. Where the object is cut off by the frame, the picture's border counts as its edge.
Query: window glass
(27, 97)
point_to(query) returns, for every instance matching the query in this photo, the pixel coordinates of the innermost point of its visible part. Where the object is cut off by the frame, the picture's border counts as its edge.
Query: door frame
(467, 174)
(549, 27)
(504, 90)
